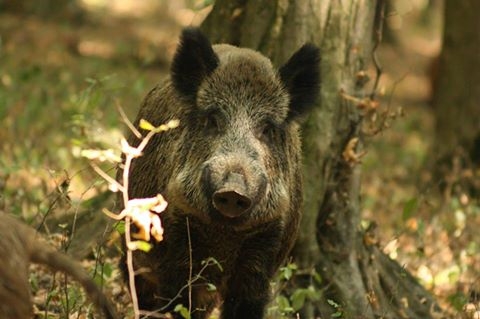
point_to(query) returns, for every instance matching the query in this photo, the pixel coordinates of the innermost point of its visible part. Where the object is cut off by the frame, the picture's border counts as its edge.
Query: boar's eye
(268, 130)
(211, 122)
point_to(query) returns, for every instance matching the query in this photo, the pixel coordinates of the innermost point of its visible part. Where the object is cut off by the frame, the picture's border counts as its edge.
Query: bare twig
(127, 122)
(131, 271)
(190, 267)
(383, 120)
(206, 263)
(379, 20)
(126, 170)
(129, 156)
(107, 177)
(146, 219)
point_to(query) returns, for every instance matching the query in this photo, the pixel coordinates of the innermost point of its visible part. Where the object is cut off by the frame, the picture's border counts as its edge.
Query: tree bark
(456, 96)
(358, 280)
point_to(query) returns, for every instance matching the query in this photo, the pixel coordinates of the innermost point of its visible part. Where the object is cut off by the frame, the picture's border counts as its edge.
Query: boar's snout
(231, 188)
(231, 199)
(230, 203)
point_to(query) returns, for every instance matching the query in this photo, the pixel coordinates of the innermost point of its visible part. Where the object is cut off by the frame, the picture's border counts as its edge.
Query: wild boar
(231, 173)
(19, 246)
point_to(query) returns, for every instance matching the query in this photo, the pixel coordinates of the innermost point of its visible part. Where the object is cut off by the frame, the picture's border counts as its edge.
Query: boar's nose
(230, 203)
(230, 200)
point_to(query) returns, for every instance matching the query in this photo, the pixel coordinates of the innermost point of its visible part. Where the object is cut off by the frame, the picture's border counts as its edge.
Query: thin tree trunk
(456, 96)
(359, 281)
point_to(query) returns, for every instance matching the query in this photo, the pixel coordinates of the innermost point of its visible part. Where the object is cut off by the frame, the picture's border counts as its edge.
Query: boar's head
(238, 156)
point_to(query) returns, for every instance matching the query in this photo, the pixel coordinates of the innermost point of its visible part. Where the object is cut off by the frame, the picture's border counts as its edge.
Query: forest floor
(61, 83)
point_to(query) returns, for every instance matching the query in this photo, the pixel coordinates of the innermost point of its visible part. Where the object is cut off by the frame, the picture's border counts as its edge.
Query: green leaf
(458, 300)
(298, 298)
(63, 226)
(292, 266)
(107, 270)
(146, 125)
(182, 310)
(338, 313)
(333, 303)
(178, 307)
(317, 277)
(284, 304)
(120, 227)
(409, 208)
(287, 273)
(211, 287)
(144, 246)
(140, 245)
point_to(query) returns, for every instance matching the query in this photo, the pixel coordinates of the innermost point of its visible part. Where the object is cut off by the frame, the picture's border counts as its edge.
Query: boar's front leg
(247, 298)
(248, 290)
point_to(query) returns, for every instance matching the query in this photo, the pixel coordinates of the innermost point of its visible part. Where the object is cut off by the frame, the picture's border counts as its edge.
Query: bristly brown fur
(238, 138)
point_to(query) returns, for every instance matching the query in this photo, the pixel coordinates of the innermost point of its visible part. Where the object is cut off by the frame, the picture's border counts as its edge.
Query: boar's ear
(301, 77)
(193, 61)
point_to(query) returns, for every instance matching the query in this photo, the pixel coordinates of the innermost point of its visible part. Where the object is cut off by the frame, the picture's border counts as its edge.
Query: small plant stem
(190, 283)
(379, 21)
(129, 124)
(131, 271)
(190, 274)
(131, 153)
(107, 177)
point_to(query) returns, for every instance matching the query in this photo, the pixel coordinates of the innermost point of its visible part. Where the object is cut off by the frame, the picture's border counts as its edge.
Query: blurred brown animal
(19, 246)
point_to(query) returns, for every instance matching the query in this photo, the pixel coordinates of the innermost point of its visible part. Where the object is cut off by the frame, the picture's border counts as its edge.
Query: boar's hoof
(230, 203)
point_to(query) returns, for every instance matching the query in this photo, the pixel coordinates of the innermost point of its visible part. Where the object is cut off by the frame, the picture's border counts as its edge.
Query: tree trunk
(358, 280)
(456, 98)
